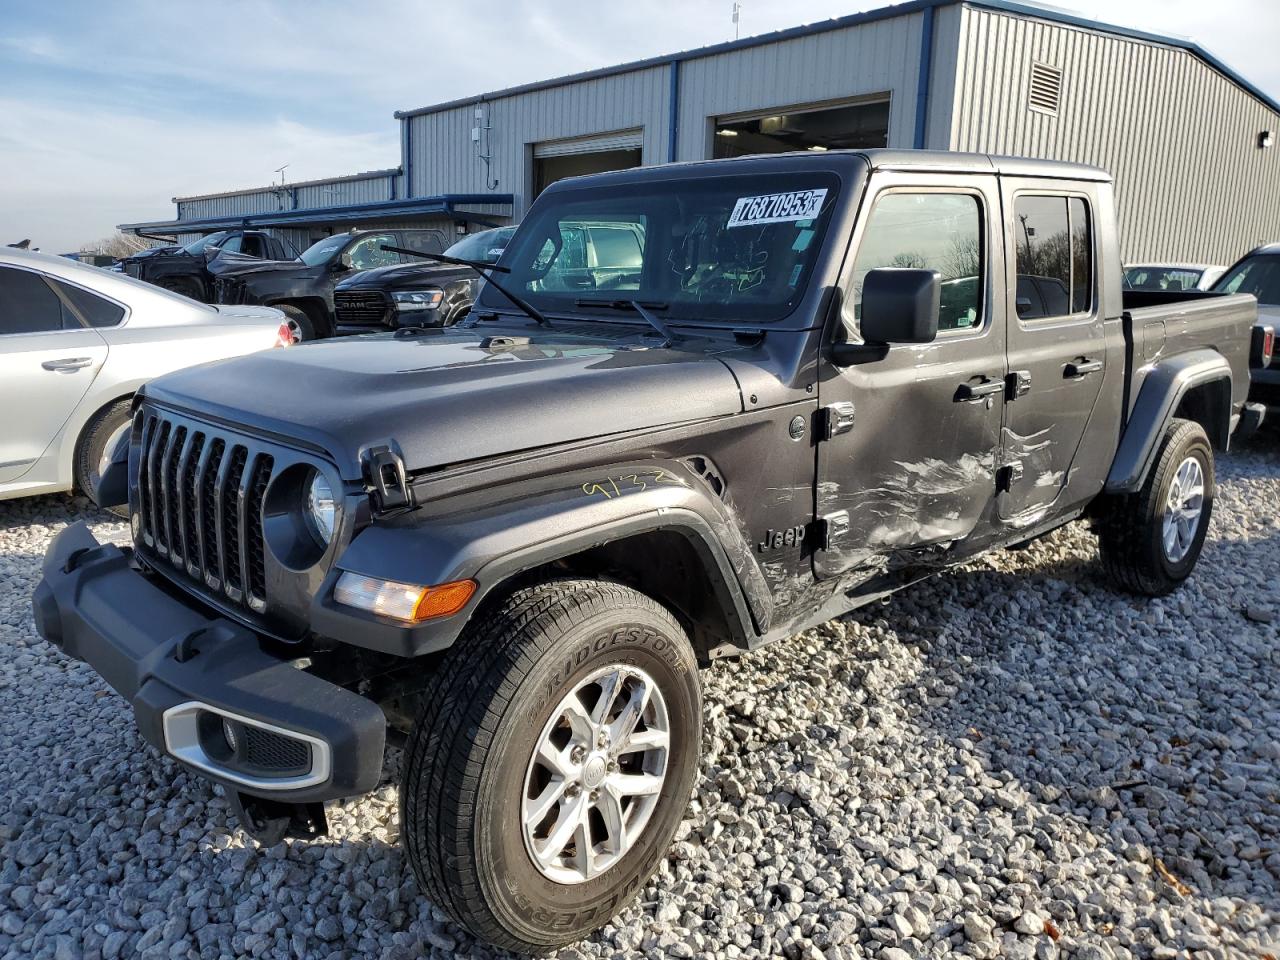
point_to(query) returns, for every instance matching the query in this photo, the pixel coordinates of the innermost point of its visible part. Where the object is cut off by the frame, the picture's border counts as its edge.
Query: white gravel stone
(1008, 743)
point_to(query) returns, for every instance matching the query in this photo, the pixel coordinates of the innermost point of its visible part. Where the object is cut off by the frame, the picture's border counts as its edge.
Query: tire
(300, 325)
(470, 776)
(1132, 534)
(93, 443)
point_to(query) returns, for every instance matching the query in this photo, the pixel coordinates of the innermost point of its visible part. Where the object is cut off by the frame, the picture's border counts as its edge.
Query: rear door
(910, 469)
(1056, 345)
(48, 360)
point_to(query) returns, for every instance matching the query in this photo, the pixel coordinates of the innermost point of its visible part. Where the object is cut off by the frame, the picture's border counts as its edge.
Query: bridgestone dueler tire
(1129, 530)
(470, 747)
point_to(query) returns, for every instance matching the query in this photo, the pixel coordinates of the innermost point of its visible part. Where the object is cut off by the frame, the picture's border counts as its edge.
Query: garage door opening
(852, 126)
(556, 159)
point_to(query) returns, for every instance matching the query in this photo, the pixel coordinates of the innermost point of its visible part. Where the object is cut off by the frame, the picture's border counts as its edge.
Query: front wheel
(552, 762)
(300, 326)
(1150, 541)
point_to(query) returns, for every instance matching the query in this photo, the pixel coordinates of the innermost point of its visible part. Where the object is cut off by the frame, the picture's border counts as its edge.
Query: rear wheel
(1150, 541)
(300, 326)
(98, 438)
(552, 762)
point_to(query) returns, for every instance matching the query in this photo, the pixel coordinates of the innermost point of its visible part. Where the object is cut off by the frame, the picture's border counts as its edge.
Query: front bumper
(183, 672)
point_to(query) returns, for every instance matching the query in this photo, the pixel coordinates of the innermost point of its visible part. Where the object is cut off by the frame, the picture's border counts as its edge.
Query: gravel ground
(1011, 760)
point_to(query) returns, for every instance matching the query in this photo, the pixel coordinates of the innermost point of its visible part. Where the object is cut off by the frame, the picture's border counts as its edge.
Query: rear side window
(928, 231)
(29, 305)
(1054, 241)
(96, 311)
(424, 241)
(1258, 274)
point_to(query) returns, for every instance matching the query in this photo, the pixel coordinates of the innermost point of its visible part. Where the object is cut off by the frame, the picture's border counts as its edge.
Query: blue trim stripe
(924, 79)
(422, 206)
(673, 129)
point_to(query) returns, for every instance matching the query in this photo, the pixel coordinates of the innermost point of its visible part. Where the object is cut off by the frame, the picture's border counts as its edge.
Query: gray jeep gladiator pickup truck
(508, 545)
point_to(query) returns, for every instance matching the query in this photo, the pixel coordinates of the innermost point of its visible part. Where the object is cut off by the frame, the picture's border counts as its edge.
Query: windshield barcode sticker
(777, 208)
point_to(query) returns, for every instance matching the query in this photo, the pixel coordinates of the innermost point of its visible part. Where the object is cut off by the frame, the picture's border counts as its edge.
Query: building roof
(444, 205)
(345, 178)
(1052, 14)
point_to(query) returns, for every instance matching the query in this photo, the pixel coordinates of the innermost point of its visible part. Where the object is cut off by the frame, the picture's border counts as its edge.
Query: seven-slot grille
(364, 306)
(200, 499)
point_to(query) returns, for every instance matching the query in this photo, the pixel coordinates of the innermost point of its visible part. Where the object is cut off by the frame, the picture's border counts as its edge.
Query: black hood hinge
(384, 472)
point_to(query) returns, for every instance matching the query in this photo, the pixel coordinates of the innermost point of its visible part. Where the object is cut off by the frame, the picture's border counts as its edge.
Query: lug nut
(613, 766)
(603, 739)
(595, 795)
(578, 754)
(572, 790)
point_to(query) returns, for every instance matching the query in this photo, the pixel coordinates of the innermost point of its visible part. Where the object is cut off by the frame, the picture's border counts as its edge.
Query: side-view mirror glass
(900, 305)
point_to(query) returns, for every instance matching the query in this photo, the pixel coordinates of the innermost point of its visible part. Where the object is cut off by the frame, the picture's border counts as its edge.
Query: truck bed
(1159, 324)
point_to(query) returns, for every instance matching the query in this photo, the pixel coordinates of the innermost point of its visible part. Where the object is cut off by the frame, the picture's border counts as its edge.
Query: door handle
(1080, 368)
(67, 364)
(972, 392)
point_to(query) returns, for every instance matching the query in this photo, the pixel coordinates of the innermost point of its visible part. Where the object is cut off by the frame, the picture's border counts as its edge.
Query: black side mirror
(900, 305)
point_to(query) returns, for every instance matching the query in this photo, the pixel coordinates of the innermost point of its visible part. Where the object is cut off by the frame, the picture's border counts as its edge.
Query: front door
(1056, 346)
(47, 362)
(911, 467)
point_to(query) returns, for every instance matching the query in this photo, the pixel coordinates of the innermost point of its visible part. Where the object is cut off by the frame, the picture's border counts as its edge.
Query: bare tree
(120, 245)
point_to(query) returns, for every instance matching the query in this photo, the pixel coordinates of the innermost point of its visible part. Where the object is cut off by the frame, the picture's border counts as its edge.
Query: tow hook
(270, 821)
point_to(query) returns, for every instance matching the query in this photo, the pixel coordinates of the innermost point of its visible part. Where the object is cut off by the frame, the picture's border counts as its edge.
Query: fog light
(402, 601)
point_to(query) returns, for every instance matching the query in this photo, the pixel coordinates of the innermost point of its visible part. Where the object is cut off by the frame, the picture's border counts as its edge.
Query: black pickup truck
(509, 544)
(303, 288)
(416, 294)
(184, 269)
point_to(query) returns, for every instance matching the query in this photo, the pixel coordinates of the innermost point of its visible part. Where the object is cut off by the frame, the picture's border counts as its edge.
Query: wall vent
(1044, 94)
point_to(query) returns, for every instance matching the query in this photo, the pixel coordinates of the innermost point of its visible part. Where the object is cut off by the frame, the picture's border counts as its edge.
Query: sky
(108, 110)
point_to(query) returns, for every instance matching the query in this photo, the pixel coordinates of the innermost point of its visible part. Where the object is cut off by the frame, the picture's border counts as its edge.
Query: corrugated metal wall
(1179, 137)
(445, 160)
(320, 193)
(873, 58)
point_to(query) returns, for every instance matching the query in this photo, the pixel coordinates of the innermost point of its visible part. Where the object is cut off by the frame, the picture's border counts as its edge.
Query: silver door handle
(67, 364)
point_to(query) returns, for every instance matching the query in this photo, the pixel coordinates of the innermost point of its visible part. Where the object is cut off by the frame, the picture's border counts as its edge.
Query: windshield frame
(338, 243)
(756, 181)
(199, 246)
(1220, 285)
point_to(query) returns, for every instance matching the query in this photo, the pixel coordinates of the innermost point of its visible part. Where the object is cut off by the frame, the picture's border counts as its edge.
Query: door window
(1055, 256)
(423, 241)
(29, 305)
(928, 231)
(367, 253)
(233, 245)
(96, 311)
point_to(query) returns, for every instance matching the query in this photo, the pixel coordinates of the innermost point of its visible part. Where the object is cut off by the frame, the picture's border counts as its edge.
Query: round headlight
(320, 508)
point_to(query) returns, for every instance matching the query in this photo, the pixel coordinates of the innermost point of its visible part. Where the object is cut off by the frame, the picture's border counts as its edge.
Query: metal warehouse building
(1188, 140)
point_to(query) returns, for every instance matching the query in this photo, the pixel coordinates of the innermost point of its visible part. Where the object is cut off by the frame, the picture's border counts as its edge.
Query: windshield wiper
(642, 307)
(485, 270)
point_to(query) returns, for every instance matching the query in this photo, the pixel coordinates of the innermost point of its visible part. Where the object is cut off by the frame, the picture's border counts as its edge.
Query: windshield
(1162, 278)
(1259, 275)
(323, 250)
(196, 247)
(730, 248)
(483, 247)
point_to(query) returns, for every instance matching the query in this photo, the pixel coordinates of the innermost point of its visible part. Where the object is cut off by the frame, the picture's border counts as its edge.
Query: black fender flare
(1163, 389)
(492, 538)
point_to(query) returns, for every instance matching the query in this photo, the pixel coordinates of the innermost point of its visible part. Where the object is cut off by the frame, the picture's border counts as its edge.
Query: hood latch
(384, 470)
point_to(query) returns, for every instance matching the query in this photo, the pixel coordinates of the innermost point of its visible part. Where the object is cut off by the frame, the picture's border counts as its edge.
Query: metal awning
(448, 205)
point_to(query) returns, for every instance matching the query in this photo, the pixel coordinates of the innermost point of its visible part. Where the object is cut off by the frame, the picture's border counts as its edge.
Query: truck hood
(400, 276)
(455, 395)
(238, 264)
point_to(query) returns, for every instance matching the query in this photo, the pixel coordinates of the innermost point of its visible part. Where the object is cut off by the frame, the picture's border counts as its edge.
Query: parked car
(416, 294)
(1258, 273)
(303, 288)
(516, 539)
(76, 343)
(184, 269)
(1171, 276)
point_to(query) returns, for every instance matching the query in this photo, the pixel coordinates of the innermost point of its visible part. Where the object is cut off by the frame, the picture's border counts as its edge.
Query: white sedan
(76, 342)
